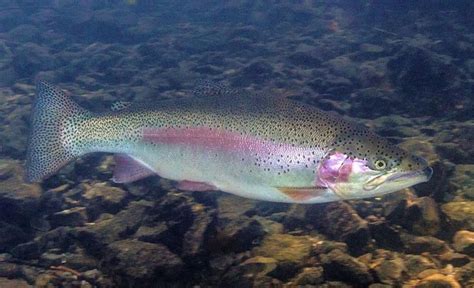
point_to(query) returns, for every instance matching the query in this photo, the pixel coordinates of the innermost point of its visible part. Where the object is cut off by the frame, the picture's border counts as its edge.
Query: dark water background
(403, 68)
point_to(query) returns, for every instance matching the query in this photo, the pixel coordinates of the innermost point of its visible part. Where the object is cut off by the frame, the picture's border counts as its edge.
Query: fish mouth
(401, 179)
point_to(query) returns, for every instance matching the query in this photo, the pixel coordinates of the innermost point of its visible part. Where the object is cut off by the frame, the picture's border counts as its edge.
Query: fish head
(370, 166)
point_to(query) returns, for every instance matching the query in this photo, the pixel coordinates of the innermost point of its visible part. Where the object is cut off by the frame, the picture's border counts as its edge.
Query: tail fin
(47, 139)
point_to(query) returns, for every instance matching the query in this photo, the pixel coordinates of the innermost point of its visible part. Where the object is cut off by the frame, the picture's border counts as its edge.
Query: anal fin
(127, 169)
(302, 193)
(195, 186)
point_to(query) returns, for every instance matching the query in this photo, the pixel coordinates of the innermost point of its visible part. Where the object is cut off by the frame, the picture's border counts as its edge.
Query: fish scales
(253, 146)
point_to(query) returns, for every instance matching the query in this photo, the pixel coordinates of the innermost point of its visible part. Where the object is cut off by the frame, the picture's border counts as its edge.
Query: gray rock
(196, 239)
(310, 276)
(240, 235)
(340, 221)
(250, 272)
(422, 216)
(136, 262)
(11, 235)
(31, 58)
(102, 198)
(107, 230)
(25, 33)
(340, 266)
(19, 199)
(304, 59)
(76, 216)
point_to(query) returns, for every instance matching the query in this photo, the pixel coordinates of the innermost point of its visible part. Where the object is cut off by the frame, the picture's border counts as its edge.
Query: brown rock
(140, 262)
(438, 280)
(422, 216)
(13, 283)
(310, 276)
(390, 271)
(417, 263)
(461, 213)
(420, 244)
(285, 247)
(463, 242)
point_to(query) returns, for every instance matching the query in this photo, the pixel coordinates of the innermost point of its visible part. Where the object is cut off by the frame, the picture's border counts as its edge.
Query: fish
(258, 146)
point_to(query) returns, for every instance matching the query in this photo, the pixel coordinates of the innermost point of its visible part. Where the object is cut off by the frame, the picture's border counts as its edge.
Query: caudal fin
(48, 138)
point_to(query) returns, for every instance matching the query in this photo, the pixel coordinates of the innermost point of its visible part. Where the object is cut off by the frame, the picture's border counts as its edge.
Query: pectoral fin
(302, 193)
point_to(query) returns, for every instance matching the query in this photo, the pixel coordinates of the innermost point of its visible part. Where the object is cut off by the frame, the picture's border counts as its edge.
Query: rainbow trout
(259, 147)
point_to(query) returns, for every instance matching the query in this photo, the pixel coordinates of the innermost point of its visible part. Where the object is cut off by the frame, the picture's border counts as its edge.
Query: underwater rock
(103, 198)
(290, 252)
(25, 33)
(464, 275)
(419, 244)
(18, 198)
(76, 216)
(390, 271)
(462, 181)
(454, 259)
(417, 263)
(195, 240)
(385, 235)
(249, 32)
(463, 242)
(250, 273)
(310, 276)
(304, 59)
(373, 102)
(112, 228)
(422, 217)
(31, 58)
(138, 263)
(255, 73)
(368, 48)
(429, 76)
(240, 234)
(13, 283)
(372, 73)
(438, 280)
(11, 235)
(343, 66)
(340, 221)
(461, 213)
(286, 247)
(340, 266)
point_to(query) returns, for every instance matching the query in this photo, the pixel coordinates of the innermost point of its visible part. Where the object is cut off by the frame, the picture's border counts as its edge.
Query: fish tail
(50, 141)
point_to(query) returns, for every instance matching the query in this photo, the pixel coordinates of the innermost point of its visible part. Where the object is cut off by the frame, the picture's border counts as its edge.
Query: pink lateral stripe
(212, 139)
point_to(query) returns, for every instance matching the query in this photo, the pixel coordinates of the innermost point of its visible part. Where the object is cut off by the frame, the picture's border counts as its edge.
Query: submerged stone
(135, 262)
(461, 213)
(340, 266)
(463, 242)
(286, 248)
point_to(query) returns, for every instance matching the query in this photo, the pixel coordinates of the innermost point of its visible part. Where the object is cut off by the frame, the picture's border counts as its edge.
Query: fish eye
(380, 164)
